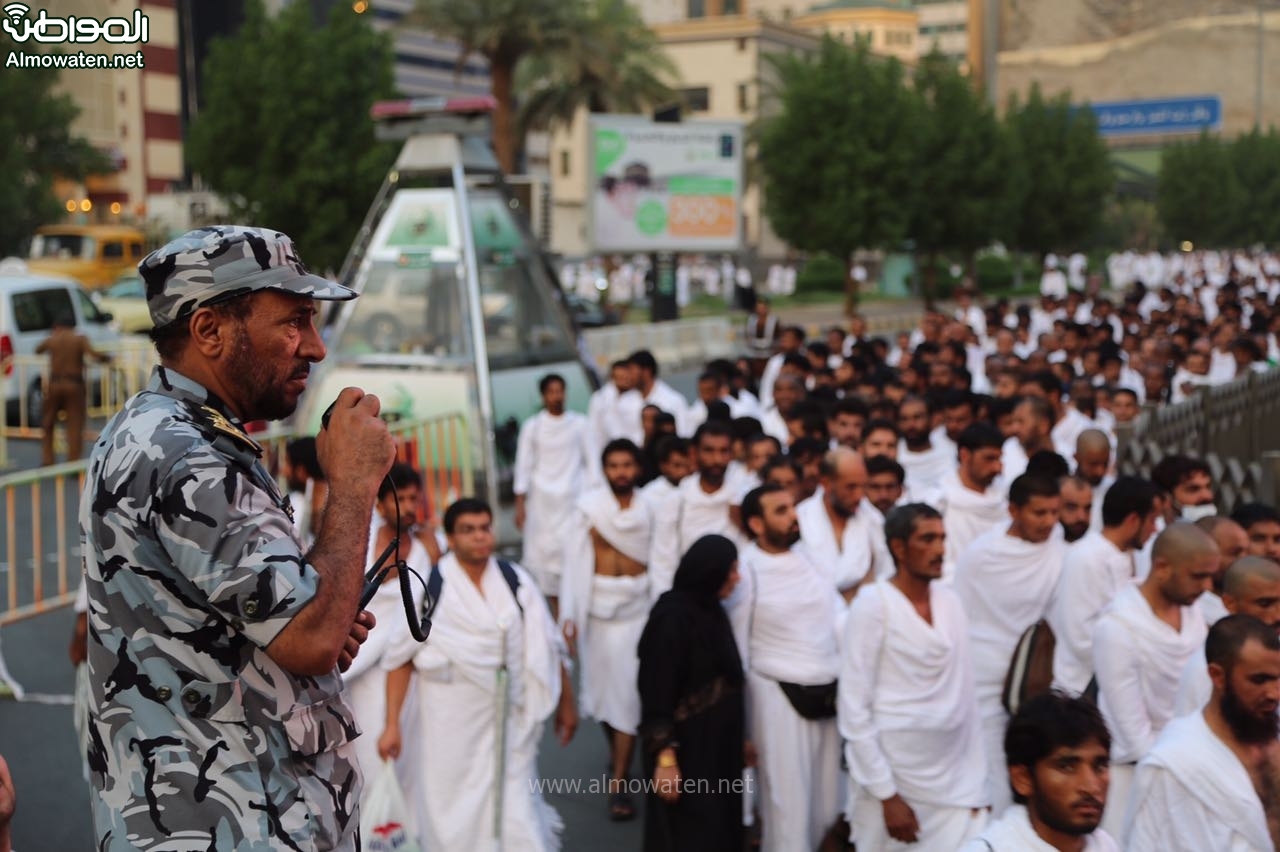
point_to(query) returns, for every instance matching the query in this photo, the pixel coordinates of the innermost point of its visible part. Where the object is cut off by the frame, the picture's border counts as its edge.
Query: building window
(730, 7)
(742, 45)
(564, 164)
(697, 99)
(697, 9)
(744, 103)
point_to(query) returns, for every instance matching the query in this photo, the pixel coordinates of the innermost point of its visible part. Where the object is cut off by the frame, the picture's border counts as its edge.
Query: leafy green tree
(284, 131)
(503, 32)
(838, 157)
(36, 147)
(963, 165)
(1255, 158)
(1199, 196)
(612, 62)
(1062, 170)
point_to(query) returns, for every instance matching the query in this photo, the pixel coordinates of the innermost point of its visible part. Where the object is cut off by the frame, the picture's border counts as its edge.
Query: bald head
(1184, 562)
(840, 460)
(844, 480)
(1252, 587)
(1245, 569)
(1231, 538)
(1182, 541)
(1093, 441)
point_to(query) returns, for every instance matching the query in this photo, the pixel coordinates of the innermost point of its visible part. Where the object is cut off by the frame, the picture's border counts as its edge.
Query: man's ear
(1023, 783)
(898, 550)
(209, 332)
(756, 525)
(1218, 675)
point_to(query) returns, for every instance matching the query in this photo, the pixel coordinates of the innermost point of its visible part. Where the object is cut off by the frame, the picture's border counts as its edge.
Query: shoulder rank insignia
(218, 421)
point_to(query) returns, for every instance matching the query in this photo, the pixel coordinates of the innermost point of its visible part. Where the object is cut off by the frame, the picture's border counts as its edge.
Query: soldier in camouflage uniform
(217, 715)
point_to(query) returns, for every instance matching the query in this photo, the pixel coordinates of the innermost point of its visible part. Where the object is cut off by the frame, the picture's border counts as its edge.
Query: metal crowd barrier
(40, 550)
(107, 386)
(42, 557)
(677, 344)
(1230, 426)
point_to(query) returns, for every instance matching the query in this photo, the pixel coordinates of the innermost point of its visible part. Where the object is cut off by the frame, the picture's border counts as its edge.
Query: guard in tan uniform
(66, 386)
(604, 603)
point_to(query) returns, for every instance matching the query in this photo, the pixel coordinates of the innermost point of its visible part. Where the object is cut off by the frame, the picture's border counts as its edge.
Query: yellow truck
(94, 255)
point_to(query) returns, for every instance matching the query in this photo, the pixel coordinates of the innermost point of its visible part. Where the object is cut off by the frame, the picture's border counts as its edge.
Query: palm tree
(611, 63)
(503, 32)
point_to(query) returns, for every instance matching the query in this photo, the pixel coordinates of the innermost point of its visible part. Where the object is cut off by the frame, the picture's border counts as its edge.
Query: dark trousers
(63, 395)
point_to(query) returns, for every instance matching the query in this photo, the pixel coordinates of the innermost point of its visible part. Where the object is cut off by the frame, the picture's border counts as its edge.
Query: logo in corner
(72, 30)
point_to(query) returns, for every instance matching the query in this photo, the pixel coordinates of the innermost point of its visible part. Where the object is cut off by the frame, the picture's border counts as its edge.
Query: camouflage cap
(219, 262)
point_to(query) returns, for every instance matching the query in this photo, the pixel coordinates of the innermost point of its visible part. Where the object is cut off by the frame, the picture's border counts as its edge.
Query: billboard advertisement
(664, 186)
(1166, 115)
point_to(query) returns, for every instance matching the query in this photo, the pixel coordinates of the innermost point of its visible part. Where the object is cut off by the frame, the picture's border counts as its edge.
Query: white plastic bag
(385, 822)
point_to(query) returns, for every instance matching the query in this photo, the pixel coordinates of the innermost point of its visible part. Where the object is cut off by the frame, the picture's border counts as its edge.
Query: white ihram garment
(453, 794)
(555, 460)
(786, 620)
(1093, 573)
(615, 415)
(1192, 794)
(683, 518)
(909, 718)
(608, 612)
(1014, 833)
(861, 550)
(1006, 585)
(925, 470)
(1138, 660)
(967, 514)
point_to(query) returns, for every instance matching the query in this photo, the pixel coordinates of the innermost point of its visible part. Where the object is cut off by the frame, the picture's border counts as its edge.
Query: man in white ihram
(555, 461)
(1251, 587)
(1209, 782)
(972, 498)
(907, 708)
(785, 617)
(491, 674)
(700, 505)
(1006, 580)
(1094, 571)
(1140, 646)
(604, 603)
(840, 532)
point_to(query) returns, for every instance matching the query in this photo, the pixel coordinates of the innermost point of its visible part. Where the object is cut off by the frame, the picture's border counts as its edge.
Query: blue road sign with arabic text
(1166, 115)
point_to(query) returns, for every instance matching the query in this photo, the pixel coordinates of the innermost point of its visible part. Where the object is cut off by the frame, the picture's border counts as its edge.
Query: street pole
(990, 50)
(1257, 104)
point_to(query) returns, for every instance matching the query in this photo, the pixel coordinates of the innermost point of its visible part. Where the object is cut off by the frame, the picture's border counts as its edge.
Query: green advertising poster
(665, 186)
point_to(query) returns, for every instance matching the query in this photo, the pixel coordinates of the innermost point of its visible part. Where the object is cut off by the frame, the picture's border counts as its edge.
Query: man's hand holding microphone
(355, 450)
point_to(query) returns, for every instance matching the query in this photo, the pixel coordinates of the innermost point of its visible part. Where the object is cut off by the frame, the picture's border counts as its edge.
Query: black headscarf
(688, 625)
(704, 569)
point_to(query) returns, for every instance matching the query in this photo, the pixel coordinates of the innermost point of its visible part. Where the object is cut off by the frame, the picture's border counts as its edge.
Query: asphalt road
(38, 740)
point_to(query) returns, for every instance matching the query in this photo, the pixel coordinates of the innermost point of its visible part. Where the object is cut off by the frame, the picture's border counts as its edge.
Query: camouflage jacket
(198, 739)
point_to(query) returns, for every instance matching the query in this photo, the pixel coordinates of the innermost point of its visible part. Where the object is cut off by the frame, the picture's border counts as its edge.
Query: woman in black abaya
(692, 717)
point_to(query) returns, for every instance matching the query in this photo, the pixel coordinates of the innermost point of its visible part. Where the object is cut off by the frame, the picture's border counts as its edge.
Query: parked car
(589, 314)
(29, 304)
(126, 301)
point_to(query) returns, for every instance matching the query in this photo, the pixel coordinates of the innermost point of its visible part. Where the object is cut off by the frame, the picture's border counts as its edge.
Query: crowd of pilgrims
(807, 605)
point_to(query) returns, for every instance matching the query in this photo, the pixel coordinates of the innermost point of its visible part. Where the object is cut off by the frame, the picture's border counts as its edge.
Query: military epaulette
(214, 422)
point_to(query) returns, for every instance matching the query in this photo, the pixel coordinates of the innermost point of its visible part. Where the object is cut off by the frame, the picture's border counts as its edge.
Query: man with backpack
(491, 675)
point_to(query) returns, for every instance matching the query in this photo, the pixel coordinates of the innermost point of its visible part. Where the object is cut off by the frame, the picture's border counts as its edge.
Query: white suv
(29, 304)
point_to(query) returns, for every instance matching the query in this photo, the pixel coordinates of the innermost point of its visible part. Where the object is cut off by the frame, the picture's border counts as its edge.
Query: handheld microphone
(419, 625)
